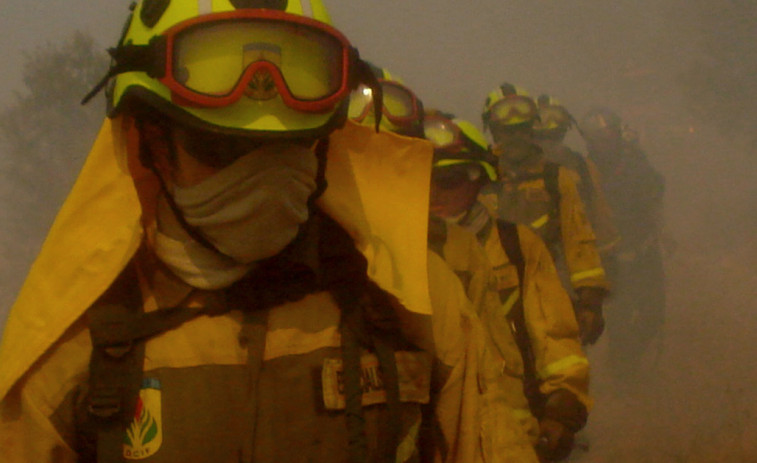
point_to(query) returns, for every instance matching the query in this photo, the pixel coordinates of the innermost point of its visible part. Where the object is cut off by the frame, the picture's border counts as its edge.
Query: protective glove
(564, 415)
(591, 322)
(555, 441)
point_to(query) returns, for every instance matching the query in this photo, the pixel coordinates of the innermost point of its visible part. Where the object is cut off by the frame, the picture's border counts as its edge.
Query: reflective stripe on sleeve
(540, 222)
(595, 272)
(511, 300)
(522, 414)
(204, 6)
(408, 446)
(307, 8)
(564, 363)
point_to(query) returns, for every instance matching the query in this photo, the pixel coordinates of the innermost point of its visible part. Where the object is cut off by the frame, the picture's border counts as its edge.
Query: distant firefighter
(635, 191)
(543, 195)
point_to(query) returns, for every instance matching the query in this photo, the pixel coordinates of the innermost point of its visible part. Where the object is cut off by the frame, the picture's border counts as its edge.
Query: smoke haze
(673, 69)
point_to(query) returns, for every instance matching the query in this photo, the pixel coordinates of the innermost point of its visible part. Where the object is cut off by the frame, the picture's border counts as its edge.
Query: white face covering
(250, 210)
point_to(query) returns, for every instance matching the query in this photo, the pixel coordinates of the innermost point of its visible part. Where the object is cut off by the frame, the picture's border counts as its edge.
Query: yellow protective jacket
(522, 197)
(493, 284)
(194, 384)
(590, 189)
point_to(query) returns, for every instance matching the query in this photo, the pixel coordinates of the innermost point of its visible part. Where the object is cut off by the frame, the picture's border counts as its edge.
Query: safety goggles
(553, 117)
(443, 133)
(513, 109)
(214, 60)
(400, 105)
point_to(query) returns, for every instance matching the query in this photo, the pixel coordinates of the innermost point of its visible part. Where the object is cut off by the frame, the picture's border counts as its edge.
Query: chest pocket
(413, 375)
(505, 277)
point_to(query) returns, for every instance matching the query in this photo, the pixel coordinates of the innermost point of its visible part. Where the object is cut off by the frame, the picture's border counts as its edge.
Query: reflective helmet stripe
(307, 8)
(204, 6)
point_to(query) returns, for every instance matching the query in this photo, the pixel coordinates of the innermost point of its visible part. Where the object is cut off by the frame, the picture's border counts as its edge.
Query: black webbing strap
(508, 235)
(437, 236)
(552, 185)
(586, 188)
(115, 370)
(119, 329)
(367, 321)
(254, 332)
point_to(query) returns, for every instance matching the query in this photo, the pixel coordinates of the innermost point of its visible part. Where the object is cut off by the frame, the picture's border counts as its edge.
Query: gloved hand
(555, 440)
(563, 416)
(591, 322)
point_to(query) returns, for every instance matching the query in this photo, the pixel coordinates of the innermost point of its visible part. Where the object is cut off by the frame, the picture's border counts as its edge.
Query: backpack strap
(367, 321)
(119, 329)
(508, 235)
(115, 370)
(586, 189)
(552, 184)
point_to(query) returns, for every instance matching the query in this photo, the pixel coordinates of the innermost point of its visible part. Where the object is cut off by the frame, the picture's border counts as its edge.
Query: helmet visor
(215, 60)
(513, 110)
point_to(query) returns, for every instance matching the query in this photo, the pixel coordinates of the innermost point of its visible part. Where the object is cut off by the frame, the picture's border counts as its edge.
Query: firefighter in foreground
(524, 307)
(543, 195)
(204, 295)
(635, 193)
(549, 131)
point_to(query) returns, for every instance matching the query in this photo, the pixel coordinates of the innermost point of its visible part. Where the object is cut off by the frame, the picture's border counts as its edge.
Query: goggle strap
(133, 58)
(368, 78)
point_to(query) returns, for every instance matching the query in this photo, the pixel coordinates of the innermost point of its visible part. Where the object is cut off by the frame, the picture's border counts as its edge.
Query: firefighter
(524, 307)
(550, 130)
(635, 192)
(206, 295)
(544, 196)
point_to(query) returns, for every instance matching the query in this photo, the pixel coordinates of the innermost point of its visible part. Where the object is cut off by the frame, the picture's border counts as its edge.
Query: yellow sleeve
(560, 360)
(579, 242)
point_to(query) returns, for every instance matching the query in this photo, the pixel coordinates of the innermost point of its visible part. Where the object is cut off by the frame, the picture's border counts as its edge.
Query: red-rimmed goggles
(513, 109)
(214, 60)
(443, 133)
(400, 105)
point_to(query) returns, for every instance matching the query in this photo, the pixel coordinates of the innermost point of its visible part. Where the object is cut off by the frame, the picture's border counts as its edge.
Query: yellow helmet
(509, 105)
(401, 109)
(456, 142)
(553, 119)
(264, 68)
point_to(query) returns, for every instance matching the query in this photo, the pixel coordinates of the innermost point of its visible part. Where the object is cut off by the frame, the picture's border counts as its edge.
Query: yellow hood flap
(378, 190)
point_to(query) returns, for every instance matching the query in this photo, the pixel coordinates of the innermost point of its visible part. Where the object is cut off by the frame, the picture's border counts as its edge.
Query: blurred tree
(44, 137)
(719, 84)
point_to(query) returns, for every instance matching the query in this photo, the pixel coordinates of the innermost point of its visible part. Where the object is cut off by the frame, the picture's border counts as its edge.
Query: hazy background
(679, 71)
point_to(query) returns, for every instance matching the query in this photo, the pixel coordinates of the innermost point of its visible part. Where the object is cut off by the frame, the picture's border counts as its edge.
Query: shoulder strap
(115, 371)
(508, 235)
(367, 320)
(587, 184)
(119, 329)
(552, 182)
